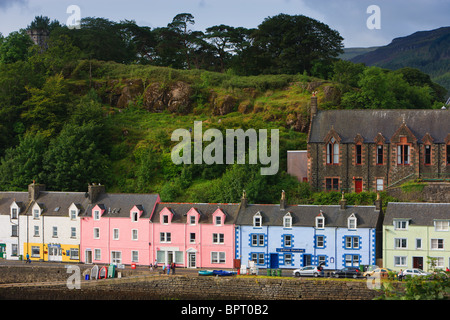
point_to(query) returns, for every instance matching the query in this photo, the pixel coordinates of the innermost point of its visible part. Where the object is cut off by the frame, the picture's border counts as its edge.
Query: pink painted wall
(203, 246)
(107, 243)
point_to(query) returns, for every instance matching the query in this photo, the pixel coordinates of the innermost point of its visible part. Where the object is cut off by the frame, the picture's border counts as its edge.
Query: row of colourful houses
(104, 228)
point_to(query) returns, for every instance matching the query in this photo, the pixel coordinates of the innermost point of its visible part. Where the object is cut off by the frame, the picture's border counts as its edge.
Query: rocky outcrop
(222, 105)
(175, 97)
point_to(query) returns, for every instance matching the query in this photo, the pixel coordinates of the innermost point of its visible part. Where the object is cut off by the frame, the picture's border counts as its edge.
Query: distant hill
(350, 53)
(428, 51)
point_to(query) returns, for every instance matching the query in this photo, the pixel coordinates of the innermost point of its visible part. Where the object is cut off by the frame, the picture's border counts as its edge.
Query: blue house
(292, 236)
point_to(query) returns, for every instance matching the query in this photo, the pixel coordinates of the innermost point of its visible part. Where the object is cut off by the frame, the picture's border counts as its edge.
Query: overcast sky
(349, 17)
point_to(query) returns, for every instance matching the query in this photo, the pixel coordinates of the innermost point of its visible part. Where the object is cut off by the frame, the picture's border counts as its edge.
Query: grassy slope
(272, 100)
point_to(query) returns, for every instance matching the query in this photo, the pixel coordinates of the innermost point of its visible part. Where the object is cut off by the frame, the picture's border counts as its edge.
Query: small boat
(103, 272)
(94, 273)
(205, 273)
(223, 273)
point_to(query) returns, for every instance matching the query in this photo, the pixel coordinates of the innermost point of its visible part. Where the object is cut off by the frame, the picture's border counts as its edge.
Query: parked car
(368, 268)
(347, 272)
(309, 271)
(383, 273)
(414, 272)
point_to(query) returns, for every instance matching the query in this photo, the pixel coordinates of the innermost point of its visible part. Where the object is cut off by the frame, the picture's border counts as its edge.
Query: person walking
(28, 259)
(173, 267)
(168, 269)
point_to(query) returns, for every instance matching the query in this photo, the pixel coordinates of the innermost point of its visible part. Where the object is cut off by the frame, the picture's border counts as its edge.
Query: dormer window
(287, 221)
(134, 216)
(352, 222)
(257, 220)
(441, 225)
(320, 221)
(36, 211)
(165, 219)
(14, 213)
(218, 221)
(192, 220)
(96, 215)
(401, 224)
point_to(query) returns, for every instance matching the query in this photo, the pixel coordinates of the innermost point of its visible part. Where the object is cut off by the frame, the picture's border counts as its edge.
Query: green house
(415, 232)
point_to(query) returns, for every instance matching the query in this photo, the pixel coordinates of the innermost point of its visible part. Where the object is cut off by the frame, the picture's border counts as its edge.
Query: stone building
(370, 150)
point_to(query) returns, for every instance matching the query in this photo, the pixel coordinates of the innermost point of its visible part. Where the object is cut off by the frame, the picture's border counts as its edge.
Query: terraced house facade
(415, 232)
(292, 236)
(370, 150)
(43, 224)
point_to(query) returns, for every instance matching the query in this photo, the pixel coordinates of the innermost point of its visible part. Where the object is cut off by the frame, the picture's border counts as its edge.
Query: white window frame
(116, 234)
(400, 261)
(352, 222)
(320, 222)
(218, 257)
(287, 221)
(441, 225)
(218, 238)
(401, 243)
(258, 240)
(437, 244)
(401, 224)
(257, 220)
(134, 256)
(165, 237)
(134, 234)
(96, 214)
(96, 233)
(54, 232)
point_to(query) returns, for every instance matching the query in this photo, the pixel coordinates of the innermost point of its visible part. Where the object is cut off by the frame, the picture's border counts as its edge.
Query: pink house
(194, 235)
(115, 228)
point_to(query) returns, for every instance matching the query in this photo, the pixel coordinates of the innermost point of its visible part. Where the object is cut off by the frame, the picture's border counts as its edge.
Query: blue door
(273, 264)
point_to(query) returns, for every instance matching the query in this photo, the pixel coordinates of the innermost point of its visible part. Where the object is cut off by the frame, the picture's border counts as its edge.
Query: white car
(308, 271)
(414, 272)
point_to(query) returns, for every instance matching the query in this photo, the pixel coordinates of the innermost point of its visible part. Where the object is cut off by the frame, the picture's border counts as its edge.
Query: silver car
(308, 271)
(414, 273)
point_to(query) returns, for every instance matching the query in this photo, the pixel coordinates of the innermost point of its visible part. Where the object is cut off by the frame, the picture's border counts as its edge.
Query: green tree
(23, 163)
(75, 158)
(15, 47)
(47, 108)
(292, 44)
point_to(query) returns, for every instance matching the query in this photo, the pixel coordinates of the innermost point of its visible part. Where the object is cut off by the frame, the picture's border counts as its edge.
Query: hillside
(79, 112)
(428, 51)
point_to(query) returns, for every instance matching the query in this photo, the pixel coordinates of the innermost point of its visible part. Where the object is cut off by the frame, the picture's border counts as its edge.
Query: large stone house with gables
(370, 150)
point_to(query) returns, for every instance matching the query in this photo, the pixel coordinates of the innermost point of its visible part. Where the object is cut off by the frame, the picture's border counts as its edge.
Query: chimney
(34, 190)
(94, 191)
(343, 202)
(244, 200)
(378, 202)
(313, 105)
(283, 200)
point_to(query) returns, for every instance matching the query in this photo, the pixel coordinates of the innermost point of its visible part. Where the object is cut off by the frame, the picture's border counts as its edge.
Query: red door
(358, 185)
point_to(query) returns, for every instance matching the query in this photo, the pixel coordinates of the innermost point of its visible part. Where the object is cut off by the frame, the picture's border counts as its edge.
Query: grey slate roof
(420, 214)
(119, 204)
(7, 198)
(305, 215)
(368, 123)
(53, 203)
(206, 210)
(58, 203)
